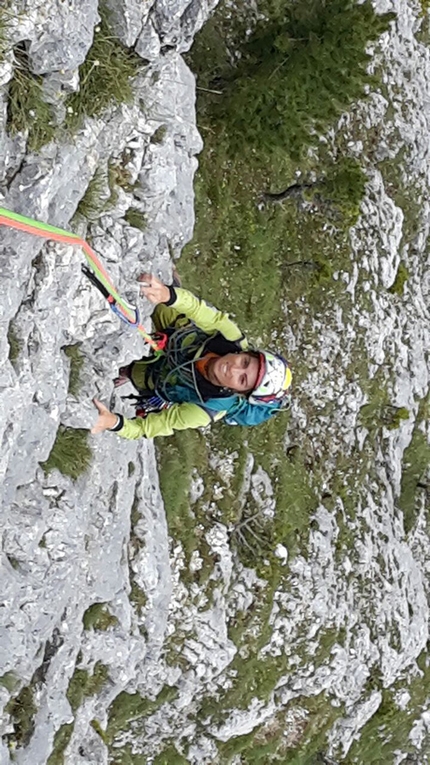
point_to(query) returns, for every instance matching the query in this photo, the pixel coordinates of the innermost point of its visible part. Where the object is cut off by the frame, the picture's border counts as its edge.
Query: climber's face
(238, 371)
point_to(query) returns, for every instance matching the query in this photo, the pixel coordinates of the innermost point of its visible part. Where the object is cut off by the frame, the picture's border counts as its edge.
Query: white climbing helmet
(273, 380)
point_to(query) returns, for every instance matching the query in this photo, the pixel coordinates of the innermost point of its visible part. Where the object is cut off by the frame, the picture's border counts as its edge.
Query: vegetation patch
(138, 598)
(125, 756)
(136, 218)
(128, 708)
(388, 731)
(82, 684)
(105, 76)
(170, 756)
(257, 680)
(9, 681)
(137, 540)
(398, 415)
(98, 617)
(27, 111)
(252, 750)
(99, 730)
(259, 259)
(302, 65)
(94, 201)
(76, 363)
(416, 461)
(274, 743)
(178, 455)
(380, 412)
(4, 18)
(402, 277)
(343, 188)
(70, 454)
(320, 718)
(119, 175)
(159, 135)
(22, 710)
(137, 595)
(262, 258)
(294, 493)
(15, 343)
(61, 741)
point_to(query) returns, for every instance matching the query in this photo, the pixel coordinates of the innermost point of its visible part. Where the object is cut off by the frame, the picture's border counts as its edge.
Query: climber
(206, 372)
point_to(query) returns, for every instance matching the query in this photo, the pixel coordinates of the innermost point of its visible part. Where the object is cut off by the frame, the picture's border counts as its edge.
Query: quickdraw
(111, 300)
(147, 403)
(95, 272)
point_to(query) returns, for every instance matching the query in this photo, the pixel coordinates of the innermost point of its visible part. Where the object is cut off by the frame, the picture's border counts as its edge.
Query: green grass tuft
(178, 455)
(15, 343)
(9, 681)
(70, 453)
(138, 598)
(99, 730)
(98, 617)
(27, 110)
(136, 218)
(76, 363)
(402, 277)
(61, 741)
(22, 710)
(398, 415)
(344, 187)
(119, 175)
(127, 708)
(416, 461)
(93, 202)
(82, 684)
(170, 756)
(159, 135)
(5, 17)
(105, 77)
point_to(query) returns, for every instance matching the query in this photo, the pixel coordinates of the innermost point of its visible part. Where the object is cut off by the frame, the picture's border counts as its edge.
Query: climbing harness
(94, 271)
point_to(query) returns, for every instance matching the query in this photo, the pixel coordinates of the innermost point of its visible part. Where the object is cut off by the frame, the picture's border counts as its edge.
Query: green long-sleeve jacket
(185, 415)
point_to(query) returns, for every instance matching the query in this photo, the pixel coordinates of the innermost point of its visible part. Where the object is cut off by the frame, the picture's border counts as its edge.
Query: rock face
(90, 590)
(160, 25)
(66, 545)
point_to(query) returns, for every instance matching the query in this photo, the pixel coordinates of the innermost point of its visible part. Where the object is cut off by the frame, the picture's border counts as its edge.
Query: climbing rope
(96, 271)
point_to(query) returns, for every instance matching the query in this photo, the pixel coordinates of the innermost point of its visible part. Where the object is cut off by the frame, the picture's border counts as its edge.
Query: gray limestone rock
(64, 542)
(129, 18)
(102, 539)
(63, 33)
